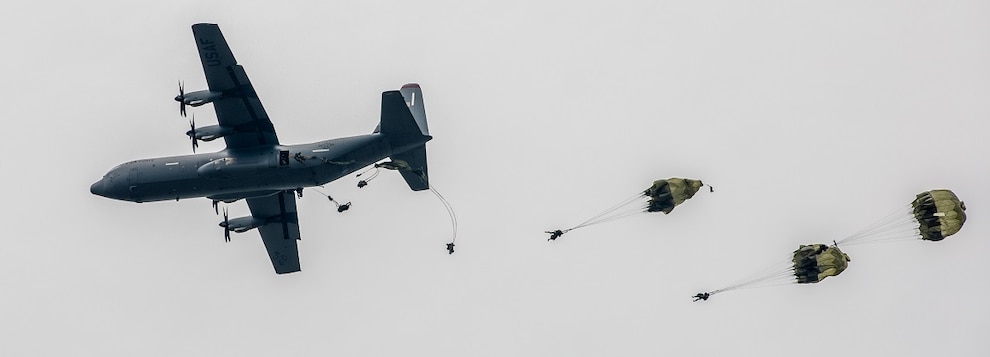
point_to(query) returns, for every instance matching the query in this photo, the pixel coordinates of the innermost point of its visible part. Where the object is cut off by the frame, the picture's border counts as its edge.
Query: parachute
(809, 264)
(932, 216)
(663, 196)
(939, 213)
(814, 263)
(666, 194)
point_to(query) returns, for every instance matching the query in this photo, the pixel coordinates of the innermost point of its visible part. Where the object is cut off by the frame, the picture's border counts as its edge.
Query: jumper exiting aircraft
(255, 166)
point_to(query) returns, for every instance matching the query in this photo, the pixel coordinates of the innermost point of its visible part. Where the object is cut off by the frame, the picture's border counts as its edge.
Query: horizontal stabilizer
(417, 175)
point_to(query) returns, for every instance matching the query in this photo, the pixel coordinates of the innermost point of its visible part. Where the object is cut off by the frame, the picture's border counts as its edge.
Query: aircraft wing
(281, 229)
(239, 107)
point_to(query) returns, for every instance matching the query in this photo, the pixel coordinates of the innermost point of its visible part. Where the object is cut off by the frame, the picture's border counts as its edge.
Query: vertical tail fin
(413, 96)
(404, 123)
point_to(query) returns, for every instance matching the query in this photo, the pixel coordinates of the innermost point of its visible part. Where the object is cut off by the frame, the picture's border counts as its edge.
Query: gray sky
(812, 119)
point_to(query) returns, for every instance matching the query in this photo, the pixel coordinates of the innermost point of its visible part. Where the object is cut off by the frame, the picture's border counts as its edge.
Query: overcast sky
(812, 119)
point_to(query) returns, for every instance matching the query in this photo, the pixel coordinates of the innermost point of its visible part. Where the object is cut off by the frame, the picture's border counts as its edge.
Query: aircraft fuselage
(230, 175)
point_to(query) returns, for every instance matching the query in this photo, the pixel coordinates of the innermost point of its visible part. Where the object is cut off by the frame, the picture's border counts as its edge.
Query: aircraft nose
(98, 188)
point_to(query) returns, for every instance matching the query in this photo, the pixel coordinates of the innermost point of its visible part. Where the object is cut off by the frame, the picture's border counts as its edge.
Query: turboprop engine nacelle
(242, 224)
(227, 167)
(198, 98)
(209, 133)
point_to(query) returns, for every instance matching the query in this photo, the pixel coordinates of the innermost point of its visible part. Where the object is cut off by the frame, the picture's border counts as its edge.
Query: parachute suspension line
(450, 211)
(365, 181)
(324, 194)
(597, 218)
(366, 170)
(778, 273)
(899, 224)
(889, 219)
(340, 207)
(617, 215)
(623, 214)
(786, 279)
(903, 238)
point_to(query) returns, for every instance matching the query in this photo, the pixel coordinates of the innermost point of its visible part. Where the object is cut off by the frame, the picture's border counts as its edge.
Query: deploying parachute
(932, 216)
(407, 171)
(662, 196)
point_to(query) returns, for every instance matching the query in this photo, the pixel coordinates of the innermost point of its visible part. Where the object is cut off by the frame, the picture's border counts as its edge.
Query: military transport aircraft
(255, 166)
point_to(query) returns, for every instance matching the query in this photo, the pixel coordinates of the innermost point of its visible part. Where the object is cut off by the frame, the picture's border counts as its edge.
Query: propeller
(181, 99)
(192, 133)
(215, 209)
(226, 226)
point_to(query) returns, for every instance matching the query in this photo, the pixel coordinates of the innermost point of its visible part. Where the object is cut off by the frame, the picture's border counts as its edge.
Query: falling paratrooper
(663, 196)
(809, 264)
(932, 216)
(403, 166)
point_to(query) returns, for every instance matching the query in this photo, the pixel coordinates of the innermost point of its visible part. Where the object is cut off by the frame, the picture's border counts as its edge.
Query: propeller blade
(226, 226)
(182, 99)
(215, 209)
(192, 133)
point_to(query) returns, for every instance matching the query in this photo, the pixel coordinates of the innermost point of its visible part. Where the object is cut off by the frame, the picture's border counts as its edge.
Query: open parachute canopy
(662, 196)
(932, 216)
(939, 213)
(813, 263)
